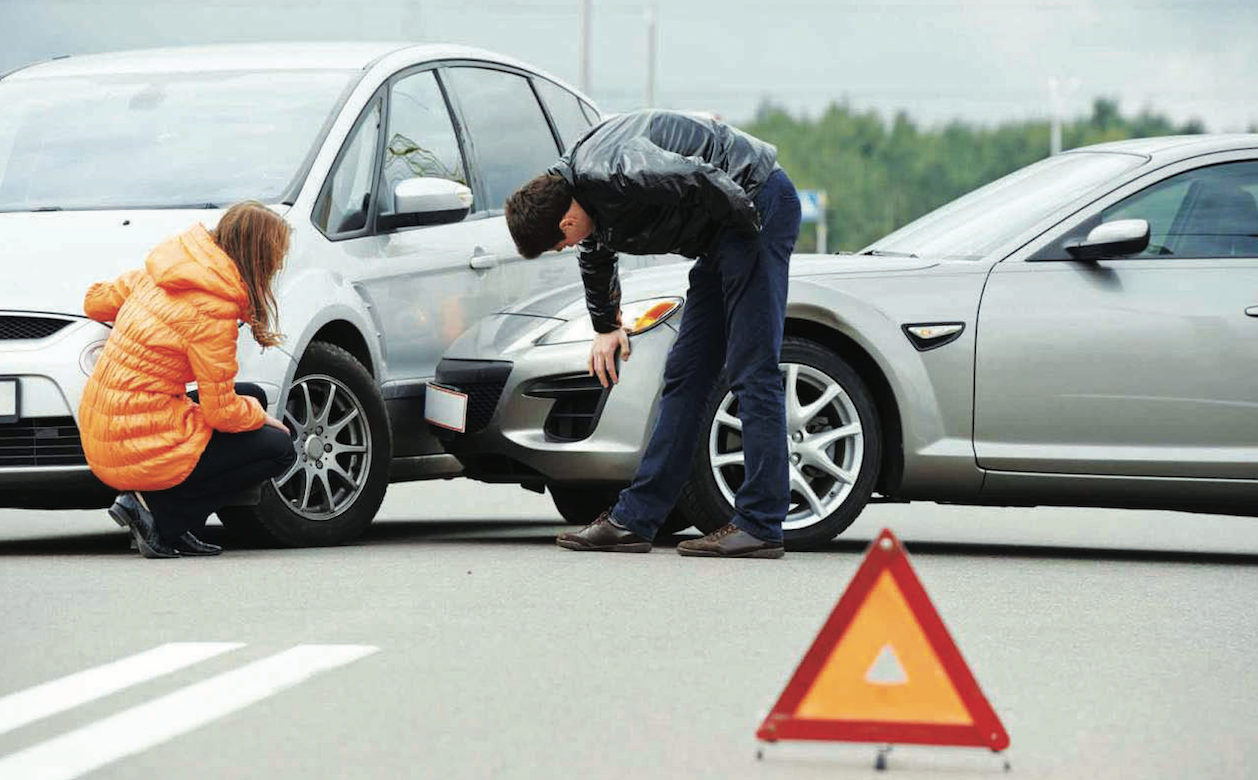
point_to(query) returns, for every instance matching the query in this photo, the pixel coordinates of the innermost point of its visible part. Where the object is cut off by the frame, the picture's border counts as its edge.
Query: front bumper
(41, 456)
(548, 422)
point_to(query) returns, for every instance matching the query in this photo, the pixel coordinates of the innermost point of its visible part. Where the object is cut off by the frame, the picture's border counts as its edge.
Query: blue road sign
(810, 206)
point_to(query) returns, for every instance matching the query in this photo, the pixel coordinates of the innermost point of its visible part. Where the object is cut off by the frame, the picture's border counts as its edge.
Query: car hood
(672, 279)
(50, 258)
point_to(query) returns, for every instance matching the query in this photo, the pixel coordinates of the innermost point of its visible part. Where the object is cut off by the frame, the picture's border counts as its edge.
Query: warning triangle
(884, 669)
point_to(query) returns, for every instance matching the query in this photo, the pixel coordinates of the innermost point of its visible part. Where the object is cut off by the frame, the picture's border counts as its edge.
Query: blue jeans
(735, 311)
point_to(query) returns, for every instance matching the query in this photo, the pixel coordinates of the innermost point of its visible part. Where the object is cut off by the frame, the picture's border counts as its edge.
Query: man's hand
(274, 423)
(603, 354)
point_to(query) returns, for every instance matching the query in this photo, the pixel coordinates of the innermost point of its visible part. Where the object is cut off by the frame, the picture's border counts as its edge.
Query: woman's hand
(603, 354)
(274, 423)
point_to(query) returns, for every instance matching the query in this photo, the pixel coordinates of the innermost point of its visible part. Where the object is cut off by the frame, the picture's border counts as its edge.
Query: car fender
(932, 390)
(308, 300)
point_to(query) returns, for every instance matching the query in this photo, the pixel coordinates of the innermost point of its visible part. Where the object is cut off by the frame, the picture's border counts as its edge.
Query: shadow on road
(94, 544)
(1005, 550)
(541, 533)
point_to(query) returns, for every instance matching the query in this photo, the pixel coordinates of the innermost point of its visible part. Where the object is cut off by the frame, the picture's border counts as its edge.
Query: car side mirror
(1112, 239)
(427, 200)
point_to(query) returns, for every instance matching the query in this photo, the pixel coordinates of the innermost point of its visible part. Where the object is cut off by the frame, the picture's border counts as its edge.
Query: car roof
(1168, 147)
(259, 56)
(217, 57)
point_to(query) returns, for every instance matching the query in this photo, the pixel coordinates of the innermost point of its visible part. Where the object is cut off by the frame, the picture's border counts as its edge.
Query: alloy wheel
(824, 439)
(333, 442)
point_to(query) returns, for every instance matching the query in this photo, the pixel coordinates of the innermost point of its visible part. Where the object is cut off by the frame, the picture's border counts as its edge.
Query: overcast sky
(981, 60)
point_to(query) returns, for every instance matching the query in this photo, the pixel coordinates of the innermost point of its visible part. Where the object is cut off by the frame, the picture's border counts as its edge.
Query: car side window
(565, 110)
(419, 137)
(509, 134)
(342, 206)
(1207, 212)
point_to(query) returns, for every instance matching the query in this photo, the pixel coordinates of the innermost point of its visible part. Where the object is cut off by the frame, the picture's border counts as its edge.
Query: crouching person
(177, 458)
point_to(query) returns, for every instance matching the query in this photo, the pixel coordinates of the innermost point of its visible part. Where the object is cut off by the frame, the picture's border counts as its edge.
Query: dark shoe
(118, 512)
(190, 545)
(603, 536)
(127, 510)
(153, 546)
(730, 541)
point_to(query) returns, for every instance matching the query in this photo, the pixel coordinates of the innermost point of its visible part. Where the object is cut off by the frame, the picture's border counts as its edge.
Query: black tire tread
(263, 524)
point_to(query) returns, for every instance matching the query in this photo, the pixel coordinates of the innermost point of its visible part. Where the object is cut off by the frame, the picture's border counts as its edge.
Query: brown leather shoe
(602, 536)
(730, 541)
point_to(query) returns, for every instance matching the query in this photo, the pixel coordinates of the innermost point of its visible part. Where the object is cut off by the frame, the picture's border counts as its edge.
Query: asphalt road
(457, 641)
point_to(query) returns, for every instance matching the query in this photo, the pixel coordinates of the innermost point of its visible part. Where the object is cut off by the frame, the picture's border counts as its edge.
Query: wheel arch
(347, 336)
(801, 325)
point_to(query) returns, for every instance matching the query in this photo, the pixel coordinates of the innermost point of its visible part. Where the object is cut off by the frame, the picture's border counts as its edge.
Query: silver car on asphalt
(391, 163)
(1083, 331)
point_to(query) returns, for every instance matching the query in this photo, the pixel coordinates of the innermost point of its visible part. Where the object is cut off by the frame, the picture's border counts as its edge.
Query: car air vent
(482, 380)
(20, 326)
(578, 405)
(41, 441)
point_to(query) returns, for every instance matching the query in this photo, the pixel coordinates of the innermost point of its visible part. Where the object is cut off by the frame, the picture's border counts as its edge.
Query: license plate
(8, 401)
(446, 408)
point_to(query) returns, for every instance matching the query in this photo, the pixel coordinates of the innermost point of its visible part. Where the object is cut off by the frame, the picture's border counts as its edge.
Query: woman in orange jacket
(177, 457)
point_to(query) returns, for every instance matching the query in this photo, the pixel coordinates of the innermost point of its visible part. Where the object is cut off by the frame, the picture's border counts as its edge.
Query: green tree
(880, 174)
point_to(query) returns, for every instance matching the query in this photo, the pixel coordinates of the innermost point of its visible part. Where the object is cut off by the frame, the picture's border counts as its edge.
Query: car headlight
(90, 354)
(639, 316)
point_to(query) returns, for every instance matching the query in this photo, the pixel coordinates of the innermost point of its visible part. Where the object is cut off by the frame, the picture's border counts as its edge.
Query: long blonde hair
(257, 239)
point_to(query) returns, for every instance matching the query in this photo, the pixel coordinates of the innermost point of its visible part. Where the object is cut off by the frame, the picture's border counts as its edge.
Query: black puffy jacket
(656, 182)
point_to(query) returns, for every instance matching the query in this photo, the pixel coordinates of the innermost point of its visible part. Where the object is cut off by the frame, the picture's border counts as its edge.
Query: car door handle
(483, 260)
(1252, 311)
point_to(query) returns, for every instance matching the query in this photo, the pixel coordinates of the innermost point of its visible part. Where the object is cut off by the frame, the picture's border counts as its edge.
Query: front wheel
(834, 443)
(340, 428)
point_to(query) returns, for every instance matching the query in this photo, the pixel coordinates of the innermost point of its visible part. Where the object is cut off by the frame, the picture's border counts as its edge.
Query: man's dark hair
(533, 214)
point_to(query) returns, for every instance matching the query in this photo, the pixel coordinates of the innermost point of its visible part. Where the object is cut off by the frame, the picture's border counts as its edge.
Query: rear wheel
(834, 442)
(337, 418)
(580, 506)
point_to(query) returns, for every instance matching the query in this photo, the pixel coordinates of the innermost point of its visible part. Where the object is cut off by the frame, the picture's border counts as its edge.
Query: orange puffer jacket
(175, 321)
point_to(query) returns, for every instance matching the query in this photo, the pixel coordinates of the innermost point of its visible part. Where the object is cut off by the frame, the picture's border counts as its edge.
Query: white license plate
(446, 407)
(8, 400)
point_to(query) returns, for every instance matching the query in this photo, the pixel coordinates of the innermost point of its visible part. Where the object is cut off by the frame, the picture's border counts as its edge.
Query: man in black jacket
(656, 182)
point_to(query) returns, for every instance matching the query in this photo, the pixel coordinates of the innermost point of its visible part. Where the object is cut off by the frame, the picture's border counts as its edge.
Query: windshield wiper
(885, 253)
(47, 208)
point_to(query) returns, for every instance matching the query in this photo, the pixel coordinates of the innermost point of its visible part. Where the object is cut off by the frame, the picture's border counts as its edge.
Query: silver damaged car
(1081, 332)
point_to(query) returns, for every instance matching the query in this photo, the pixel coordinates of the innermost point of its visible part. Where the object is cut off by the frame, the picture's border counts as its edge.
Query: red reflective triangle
(884, 669)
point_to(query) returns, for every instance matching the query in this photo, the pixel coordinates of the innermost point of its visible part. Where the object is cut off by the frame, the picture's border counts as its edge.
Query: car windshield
(974, 224)
(160, 140)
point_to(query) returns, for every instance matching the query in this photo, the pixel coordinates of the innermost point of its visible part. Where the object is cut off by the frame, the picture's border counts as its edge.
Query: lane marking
(32, 704)
(141, 727)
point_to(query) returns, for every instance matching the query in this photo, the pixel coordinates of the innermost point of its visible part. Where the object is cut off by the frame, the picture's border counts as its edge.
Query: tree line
(881, 175)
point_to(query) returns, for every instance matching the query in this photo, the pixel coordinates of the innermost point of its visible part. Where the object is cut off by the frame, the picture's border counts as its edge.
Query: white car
(391, 162)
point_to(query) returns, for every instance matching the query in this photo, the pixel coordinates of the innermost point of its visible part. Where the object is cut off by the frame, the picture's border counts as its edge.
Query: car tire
(857, 454)
(580, 506)
(340, 428)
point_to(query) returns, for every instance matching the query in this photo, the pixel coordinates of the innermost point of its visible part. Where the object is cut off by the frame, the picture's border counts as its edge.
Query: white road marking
(18, 709)
(141, 727)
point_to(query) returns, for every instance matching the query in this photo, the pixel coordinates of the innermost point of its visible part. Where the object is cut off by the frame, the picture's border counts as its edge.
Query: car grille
(19, 326)
(482, 380)
(41, 441)
(578, 404)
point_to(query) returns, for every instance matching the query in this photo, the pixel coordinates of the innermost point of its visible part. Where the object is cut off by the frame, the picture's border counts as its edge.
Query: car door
(511, 142)
(428, 284)
(1142, 365)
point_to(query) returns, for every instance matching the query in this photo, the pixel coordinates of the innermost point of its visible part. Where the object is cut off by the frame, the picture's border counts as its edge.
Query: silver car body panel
(1179, 338)
(612, 453)
(1014, 451)
(405, 295)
